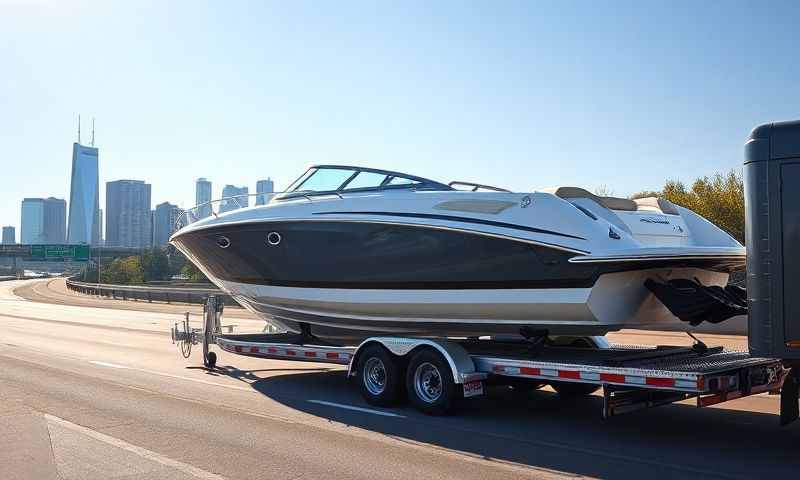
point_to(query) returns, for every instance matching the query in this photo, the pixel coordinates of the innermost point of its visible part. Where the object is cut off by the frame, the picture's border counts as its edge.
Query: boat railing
(221, 205)
(474, 187)
(227, 204)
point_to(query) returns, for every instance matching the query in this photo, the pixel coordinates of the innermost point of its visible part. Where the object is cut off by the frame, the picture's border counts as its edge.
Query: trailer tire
(430, 384)
(211, 360)
(380, 376)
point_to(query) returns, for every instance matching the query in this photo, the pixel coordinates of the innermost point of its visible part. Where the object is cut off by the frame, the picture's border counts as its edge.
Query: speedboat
(350, 252)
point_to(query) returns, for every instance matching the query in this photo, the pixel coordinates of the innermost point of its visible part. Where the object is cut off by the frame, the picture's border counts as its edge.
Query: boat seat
(619, 204)
(665, 206)
(612, 203)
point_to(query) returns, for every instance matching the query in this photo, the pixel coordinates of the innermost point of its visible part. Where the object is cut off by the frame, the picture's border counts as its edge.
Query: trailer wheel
(380, 376)
(430, 385)
(211, 360)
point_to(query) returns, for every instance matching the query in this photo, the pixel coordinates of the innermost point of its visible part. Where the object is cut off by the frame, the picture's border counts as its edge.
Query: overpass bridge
(65, 252)
(47, 257)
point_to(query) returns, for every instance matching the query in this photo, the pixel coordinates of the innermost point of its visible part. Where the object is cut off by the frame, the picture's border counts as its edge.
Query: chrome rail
(218, 206)
(207, 209)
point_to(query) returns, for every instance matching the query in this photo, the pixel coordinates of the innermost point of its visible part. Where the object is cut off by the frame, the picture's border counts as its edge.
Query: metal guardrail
(149, 293)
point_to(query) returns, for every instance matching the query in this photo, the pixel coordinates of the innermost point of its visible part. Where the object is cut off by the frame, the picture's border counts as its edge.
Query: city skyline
(46, 215)
(540, 96)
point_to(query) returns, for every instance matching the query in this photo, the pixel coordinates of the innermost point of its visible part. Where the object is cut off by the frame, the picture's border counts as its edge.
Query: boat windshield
(333, 179)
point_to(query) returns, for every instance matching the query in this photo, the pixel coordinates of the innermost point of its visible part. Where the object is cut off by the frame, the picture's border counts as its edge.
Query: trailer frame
(632, 377)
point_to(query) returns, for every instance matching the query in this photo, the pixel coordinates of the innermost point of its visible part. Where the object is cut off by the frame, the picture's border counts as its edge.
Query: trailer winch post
(212, 315)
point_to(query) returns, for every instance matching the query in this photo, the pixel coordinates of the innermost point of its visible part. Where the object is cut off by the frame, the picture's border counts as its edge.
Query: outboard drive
(772, 235)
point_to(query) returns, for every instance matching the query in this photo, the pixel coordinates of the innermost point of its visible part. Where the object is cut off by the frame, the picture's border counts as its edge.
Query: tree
(193, 273)
(720, 199)
(123, 271)
(155, 265)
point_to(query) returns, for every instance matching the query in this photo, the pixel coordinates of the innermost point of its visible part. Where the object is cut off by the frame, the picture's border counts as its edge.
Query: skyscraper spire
(79, 128)
(93, 131)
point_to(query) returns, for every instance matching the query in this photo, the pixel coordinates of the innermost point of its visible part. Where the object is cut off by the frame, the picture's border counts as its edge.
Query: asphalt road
(91, 391)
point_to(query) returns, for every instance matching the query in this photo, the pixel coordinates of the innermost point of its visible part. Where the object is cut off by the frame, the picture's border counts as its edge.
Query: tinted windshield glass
(366, 180)
(324, 180)
(402, 181)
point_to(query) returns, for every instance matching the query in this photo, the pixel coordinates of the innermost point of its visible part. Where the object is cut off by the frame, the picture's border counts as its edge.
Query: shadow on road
(541, 430)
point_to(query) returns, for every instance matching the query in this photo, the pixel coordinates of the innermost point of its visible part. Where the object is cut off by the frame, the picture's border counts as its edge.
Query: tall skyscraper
(202, 195)
(84, 196)
(264, 189)
(43, 220)
(166, 214)
(128, 214)
(9, 236)
(32, 221)
(55, 220)
(232, 204)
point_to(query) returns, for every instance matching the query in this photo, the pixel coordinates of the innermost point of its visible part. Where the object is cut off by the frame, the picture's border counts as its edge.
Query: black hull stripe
(457, 219)
(475, 285)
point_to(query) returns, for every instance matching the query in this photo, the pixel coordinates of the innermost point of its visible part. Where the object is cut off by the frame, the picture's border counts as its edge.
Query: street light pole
(99, 259)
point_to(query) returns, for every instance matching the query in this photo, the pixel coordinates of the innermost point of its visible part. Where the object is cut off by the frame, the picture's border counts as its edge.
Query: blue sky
(523, 95)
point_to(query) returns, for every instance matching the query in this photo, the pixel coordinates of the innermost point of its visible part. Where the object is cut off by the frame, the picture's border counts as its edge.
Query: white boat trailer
(435, 375)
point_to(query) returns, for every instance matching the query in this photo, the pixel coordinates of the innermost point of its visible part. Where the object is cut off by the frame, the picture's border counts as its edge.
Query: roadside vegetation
(159, 264)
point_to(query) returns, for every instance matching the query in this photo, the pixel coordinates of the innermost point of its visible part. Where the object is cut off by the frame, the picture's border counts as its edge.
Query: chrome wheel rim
(428, 382)
(375, 376)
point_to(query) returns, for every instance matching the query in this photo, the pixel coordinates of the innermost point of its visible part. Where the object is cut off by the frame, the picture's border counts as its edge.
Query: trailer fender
(457, 357)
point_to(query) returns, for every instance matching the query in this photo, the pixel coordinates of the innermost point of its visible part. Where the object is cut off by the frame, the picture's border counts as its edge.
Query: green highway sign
(76, 253)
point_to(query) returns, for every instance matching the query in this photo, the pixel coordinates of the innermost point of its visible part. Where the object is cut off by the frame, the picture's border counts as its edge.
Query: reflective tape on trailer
(321, 354)
(691, 383)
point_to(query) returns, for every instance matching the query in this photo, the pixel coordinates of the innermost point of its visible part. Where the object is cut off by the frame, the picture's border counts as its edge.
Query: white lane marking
(142, 452)
(170, 375)
(357, 409)
(107, 364)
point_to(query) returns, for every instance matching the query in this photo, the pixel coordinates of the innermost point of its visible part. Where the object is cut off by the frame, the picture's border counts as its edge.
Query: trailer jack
(790, 397)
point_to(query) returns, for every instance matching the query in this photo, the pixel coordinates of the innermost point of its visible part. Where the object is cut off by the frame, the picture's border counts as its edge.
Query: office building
(128, 214)
(32, 221)
(202, 196)
(164, 219)
(265, 189)
(9, 236)
(229, 202)
(84, 196)
(55, 221)
(43, 221)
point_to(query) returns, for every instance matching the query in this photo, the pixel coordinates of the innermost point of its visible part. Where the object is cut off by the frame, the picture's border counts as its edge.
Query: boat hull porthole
(274, 238)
